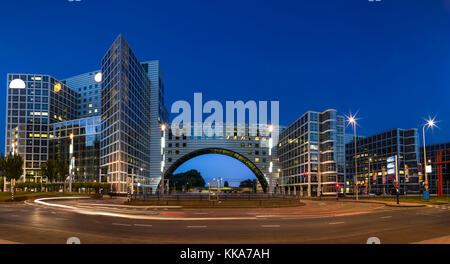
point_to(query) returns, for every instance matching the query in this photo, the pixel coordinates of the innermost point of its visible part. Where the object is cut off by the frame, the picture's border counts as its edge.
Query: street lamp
(163, 146)
(430, 124)
(352, 121)
(370, 179)
(271, 160)
(72, 162)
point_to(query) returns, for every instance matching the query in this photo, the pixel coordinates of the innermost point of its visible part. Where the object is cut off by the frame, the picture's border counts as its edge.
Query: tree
(226, 184)
(50, 169)
(63, 170)
(11, 167)
(190, 179)
(249, 184)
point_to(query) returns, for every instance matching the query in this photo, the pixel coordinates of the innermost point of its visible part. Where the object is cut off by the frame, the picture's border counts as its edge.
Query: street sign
(429, 169)
(390, 159)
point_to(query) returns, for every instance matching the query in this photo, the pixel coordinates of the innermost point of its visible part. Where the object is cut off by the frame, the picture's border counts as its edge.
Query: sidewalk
(439, 240)
(365, 200)
(6, 242)
(388, 203)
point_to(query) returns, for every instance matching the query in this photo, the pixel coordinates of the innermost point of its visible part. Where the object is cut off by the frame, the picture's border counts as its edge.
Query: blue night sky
(389, 60)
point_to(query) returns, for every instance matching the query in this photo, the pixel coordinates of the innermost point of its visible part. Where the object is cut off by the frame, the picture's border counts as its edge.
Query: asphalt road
(327, 222)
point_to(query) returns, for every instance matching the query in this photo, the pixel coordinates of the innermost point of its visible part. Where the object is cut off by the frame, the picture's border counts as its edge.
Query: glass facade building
(125, 125)
(34, 102)
(312, 155)
(158, 116)
(86, 146)
(89, 93)
(432, 153)
(372, 153)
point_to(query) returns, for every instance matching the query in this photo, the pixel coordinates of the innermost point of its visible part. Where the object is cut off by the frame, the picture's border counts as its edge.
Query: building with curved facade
(311, 154)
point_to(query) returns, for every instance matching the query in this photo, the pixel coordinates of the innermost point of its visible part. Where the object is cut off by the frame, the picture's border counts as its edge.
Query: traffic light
(338, 186)
(278, 184)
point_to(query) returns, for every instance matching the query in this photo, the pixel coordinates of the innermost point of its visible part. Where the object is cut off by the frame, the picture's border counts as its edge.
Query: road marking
(117, 224)
(386, 217)
(142, 225)
(270, 226)
(197, 226)
(337, 223)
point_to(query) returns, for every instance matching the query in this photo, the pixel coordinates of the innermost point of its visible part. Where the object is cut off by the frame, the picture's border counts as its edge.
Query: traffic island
(219, 204)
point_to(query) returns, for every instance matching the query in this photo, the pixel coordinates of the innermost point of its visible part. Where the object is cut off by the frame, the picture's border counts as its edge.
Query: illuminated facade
(34, 102)
(372, 154)
(125, 129)
(86, 147)
(89, 93)
(312, 154)
(432, 153)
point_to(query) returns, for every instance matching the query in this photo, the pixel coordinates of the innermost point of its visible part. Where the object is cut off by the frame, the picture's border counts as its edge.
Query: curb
(388, 204)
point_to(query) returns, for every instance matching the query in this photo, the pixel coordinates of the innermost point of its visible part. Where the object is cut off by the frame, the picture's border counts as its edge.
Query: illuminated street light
(352, 120)
(271, 161)
(163, 157)
(72, 162)
(431, 123)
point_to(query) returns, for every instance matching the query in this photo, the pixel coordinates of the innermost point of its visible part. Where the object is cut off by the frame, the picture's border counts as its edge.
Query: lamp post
(163, 146)
(430, 124)
(72, 159)
(370, 179)
(352, 121)
(271, 160)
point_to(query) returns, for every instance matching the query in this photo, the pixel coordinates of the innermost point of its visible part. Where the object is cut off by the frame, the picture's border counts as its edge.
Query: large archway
(259, 175)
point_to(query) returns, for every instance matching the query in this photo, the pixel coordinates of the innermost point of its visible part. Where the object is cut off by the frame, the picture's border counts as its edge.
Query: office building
(158, 116)
(432, 154)
(371, 156)
(89, 93)
(311, 154)
(86, 147)
(34, 102)
(125, 129)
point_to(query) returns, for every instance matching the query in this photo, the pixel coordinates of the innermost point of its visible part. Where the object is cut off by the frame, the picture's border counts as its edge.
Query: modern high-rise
(432, 153)
(125, 129)
(158, 116)
(371, 156)
(34, 102)
(89, 93)
(311, 154)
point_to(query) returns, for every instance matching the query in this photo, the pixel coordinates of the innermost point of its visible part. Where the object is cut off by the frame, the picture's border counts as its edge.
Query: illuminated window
(257, 160)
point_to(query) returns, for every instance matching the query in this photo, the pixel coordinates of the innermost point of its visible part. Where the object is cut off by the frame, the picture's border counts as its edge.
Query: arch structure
(250, 164)
(253, 151)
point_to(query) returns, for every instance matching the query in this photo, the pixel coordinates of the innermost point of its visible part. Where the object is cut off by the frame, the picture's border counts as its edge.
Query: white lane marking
(197, 226)
(118, 224)
(270, 226)
(142, 225)
(337, 223)
(386, 217)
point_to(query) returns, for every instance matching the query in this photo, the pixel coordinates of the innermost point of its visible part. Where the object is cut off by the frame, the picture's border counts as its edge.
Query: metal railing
(206, 197)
